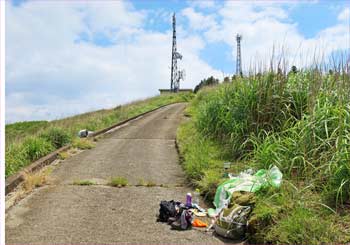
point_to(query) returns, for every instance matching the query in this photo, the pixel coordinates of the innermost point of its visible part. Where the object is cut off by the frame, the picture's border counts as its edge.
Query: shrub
(35, 147)
(210, 81)
(15, 159)
(19, 156)
(58, 137)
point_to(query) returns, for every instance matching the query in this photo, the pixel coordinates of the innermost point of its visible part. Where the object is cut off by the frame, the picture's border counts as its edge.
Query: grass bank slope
(28, 141)
(299, 122)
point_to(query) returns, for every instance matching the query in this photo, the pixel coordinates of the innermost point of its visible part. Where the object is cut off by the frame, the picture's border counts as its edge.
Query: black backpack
(167, 209)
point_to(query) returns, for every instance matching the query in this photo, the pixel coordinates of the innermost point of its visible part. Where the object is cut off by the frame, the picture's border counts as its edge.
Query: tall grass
(28, 141)
(298, 121)
(17, 131)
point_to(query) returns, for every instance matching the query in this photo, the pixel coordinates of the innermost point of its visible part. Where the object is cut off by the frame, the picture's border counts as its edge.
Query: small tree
(210, 81)
(226, 80)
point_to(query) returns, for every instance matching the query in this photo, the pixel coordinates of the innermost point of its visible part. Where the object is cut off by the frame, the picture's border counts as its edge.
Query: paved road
(62, 213)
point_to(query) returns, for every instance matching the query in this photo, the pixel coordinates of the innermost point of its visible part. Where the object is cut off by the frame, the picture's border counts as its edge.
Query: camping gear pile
(233, 201)
(181, 216)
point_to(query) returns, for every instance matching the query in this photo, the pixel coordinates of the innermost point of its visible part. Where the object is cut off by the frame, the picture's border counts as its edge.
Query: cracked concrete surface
(62, 213)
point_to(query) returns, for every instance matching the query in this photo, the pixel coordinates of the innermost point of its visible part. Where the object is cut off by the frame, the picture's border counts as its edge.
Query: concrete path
(62, 213)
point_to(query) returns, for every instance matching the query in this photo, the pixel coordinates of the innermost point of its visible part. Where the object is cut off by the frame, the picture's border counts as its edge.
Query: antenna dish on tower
(178, 55)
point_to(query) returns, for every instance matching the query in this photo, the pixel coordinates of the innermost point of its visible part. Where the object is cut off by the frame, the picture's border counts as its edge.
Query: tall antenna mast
(175, 74)
(239, 58)
(173, 59)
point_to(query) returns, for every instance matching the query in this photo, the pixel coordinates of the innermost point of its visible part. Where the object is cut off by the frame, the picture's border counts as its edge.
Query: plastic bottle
(188, 200)
(196, 197)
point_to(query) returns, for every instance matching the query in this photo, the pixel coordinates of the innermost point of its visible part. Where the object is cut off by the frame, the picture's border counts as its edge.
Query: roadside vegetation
(118, 182)
(84, 182)
(28, 141)
(298, 121)
(37, 179)
(210, 81)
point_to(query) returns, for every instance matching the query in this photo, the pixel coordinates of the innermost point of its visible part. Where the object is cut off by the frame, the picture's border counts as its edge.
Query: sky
(69, 57)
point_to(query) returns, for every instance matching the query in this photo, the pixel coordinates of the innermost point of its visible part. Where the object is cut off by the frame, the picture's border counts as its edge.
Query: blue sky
(69, 57)
(312, 18)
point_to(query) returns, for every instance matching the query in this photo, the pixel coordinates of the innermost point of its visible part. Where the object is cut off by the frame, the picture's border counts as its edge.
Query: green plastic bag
(246, 182)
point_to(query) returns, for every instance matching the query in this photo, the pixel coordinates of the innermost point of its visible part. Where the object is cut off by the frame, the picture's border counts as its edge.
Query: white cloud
(198, 21)
(53, 68)
(49, 74)
(116, 19)
(203, 4)
(344, 15)
(266, 25)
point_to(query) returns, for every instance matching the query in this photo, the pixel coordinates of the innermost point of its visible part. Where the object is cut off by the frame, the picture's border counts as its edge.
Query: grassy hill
(299, 122)
(15, 131)
(28, 141)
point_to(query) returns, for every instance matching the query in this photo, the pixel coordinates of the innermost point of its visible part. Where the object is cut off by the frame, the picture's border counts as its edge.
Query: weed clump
(34, 180)
(63, 155)
(118, 182)
(141, 182)
(83, 144)
(83, 182)
(150, 184)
